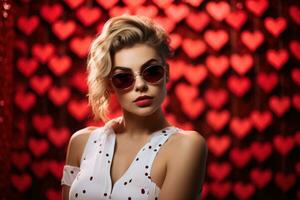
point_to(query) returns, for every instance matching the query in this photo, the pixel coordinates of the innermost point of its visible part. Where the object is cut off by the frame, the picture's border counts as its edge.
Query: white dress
(92, 180)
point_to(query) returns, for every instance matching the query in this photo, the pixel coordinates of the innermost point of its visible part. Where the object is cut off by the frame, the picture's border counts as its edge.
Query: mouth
(142, 98)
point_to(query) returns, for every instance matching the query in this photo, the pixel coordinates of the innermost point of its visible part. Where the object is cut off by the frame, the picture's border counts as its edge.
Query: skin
(179, 177)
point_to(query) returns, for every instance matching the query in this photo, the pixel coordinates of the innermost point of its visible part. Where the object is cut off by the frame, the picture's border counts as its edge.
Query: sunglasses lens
(122, 80)
(153, 73)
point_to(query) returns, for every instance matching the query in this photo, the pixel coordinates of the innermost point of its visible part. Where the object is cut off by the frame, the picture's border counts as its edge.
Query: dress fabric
(92, 181)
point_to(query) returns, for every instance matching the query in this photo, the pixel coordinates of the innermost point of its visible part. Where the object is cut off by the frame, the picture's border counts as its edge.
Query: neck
(136, 126)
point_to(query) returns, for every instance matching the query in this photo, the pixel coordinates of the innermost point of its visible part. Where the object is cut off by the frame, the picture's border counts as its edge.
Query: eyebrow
(147, 62)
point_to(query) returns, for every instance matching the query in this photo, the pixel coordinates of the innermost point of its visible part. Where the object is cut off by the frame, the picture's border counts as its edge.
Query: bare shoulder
(76, 145)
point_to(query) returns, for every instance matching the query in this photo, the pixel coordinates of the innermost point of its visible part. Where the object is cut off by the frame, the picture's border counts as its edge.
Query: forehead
(134, 57)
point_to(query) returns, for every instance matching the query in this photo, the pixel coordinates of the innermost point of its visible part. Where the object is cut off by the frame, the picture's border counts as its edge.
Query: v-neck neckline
(113, 134)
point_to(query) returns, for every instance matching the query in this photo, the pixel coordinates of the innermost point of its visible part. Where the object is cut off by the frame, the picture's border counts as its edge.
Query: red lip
(142, 97)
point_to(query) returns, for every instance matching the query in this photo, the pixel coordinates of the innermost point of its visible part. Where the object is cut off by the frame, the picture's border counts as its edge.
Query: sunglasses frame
(140, 73)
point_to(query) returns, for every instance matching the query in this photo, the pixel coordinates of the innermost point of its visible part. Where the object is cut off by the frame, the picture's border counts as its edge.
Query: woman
(138, 155)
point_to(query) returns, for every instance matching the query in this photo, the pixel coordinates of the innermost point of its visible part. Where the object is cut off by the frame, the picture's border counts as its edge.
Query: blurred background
(235, 78)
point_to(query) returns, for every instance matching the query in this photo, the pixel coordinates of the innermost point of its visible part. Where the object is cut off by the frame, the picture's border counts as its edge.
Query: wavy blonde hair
(117, 33)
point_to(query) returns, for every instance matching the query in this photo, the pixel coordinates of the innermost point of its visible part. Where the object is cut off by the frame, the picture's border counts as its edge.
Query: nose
(140, 83)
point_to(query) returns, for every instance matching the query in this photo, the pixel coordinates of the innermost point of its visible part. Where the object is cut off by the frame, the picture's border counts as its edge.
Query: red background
(235, 79)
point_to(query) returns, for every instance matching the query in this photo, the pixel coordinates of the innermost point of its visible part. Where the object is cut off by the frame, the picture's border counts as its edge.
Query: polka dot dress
(92, 180)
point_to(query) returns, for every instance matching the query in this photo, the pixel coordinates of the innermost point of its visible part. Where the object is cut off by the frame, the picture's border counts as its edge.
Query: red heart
(261, 150)
(107, 4)
(79, 81)
(257, 7)
(295, 74)
(190, 93)
(194, 108)
(56, 168)
(40, 168)
(197, 20)
(279, 105)
(216, 98)
(163, 3)
(20, 159)
(283, 144)
(43, 52)
(252, 40)
(42, 123)
(21, 182)
(240, 127)
(238, 85)
(216, 39)
(236, 19)
(74, 3)
(218, 145)
(78, 109)
(59, 96)
(241, 63)
(260, 177)
(117, 11)
(195, 74)
(277, 58)
(295, 48)
(25, 101)
(59, 65)
(220, 190)
(217, 65)
(240, 157)
(176, 40)
(59, 136)
(41, 83)
(167, 23)
(63, 29)
(219, 171)
(134, 3)
(218, 10)
(88, 15)
(38, 146)
(51, 12)
(177, 12)
(285, 181)
(52, 194)
(296, 101)
(149, 11)
(217, 119)
(27, 66)
(177, 67)
(194, 3)
(80, 46)
(261, 120)
(275, 26)
(295, 13)
(193, 47)
(243, 190)
(267, 82)
(28, 25)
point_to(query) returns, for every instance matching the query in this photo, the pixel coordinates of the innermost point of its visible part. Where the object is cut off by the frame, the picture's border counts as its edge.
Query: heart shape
(257, 7)
(38, 146)
(193, 47)
(21, 159)
(43, 52)
(243, 190)
(252, 40)
(218, 145)
(236, 19)
(80, 46)
(219, 171)
(217, 65)
(56, 168)
(63, 29)
(21, 182)
(41, 84)
(217, 119)
(279, 105)
(275, 26)
(59, 64)
(216, 98)
(195, 74)
(194, 108)
(79, 109)
(261, 120)
(51, 12)
(42, 123)
(261, 177)
(220, 190)
(240, 127)
(25, 100)
(175, 40)
(88, 15)
(261, 150)
(27, 66)
(240, 156)
(285, 181)
(28, 25)
(177, 12)
(190, 93)
(59, 136)
(267, 81)
(218, 10)
(40, 168)
(59, 95)
(167, 23)
(239, 86)
(216, 39)
(277, 58)
(78, 80)
(283, 144)
(197, 20)
(241, 63)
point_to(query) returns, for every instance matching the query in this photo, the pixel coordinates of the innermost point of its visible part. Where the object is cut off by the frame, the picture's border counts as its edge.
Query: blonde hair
(117, 33)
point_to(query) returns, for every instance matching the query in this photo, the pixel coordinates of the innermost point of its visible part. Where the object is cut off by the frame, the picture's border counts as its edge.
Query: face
(138, 60)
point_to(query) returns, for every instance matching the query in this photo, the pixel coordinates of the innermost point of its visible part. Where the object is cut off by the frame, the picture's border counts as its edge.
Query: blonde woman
(138, 155)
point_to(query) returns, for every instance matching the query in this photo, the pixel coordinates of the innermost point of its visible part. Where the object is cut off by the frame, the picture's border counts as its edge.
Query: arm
(74, 152)
(185, 168)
